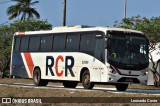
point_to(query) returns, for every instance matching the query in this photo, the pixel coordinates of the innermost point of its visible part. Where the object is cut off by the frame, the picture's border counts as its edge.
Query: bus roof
(77, 28)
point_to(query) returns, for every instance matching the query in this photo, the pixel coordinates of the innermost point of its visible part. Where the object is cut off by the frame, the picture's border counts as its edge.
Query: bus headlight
(112, 71)
(144, 72)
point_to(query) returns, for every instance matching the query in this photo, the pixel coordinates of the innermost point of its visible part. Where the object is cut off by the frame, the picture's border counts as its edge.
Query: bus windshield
(128, 51)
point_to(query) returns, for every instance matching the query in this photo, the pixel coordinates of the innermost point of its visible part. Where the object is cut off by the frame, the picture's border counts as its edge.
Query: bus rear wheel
(86, 80)
(37, 78)
(70, 84)
(121, 87)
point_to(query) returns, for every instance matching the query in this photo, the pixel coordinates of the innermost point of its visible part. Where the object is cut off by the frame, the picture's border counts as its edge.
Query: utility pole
(64, 12)
(125, 6)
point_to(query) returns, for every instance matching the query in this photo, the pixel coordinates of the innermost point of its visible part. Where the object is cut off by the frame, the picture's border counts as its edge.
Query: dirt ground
(7, 91)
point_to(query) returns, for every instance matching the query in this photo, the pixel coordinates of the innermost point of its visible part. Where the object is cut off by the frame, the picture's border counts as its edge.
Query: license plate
(129, 80)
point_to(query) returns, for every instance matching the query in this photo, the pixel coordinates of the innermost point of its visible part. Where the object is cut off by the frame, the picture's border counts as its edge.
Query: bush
(6, 35)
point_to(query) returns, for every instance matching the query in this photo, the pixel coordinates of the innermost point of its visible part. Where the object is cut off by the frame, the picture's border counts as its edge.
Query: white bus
(91, 55)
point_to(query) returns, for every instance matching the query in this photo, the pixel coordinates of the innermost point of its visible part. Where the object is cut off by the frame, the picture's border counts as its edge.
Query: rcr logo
(50, 62)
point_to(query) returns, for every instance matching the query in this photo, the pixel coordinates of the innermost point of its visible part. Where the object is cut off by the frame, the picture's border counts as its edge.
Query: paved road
(80, 88)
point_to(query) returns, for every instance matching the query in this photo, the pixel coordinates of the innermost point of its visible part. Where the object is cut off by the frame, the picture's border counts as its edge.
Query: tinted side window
(34, 43)
(59, 43)
(24, 43)
(99, 48)
(17, 44)
(46, 43)
(72, 43)
(87, 43)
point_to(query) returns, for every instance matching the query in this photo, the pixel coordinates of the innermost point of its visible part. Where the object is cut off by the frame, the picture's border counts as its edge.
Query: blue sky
(89, 12)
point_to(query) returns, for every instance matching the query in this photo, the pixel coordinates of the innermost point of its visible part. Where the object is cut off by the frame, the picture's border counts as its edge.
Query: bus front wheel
(121, 87)
(86, 80)
(37, 78)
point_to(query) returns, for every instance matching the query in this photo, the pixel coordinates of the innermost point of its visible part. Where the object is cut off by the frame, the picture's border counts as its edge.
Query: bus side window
(72, 43)
(46, 43)
(87, 43)
(24, 44)
(59, 43)
(17, 44)
(99, 49)
(34, 43)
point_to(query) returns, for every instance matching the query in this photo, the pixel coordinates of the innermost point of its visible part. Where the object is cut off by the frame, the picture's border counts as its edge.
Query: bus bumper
(116, 78)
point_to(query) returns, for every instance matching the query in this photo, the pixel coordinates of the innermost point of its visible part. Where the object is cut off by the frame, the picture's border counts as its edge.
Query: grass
(8, 91)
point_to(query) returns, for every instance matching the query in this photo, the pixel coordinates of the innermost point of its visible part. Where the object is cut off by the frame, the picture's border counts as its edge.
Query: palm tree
(23, 8)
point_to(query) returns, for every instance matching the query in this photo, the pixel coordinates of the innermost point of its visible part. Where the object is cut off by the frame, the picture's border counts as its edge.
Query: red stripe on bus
(117, 70)
(29, 62)
(21, 33)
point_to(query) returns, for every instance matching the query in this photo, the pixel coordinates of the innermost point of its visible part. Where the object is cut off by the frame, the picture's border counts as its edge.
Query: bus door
(98, 59)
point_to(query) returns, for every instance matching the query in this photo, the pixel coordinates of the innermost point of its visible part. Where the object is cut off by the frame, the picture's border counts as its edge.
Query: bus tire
(37, 78)
(86, 80)
(121, 87)
(70, 84)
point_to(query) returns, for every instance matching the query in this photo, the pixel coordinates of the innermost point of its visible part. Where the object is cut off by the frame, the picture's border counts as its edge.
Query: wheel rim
(37, 77)
(86, 79)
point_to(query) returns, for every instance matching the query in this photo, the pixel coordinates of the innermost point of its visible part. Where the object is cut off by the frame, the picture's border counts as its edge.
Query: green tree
(151, 28)
(5, 49)
(23, 8)
(6, 35)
